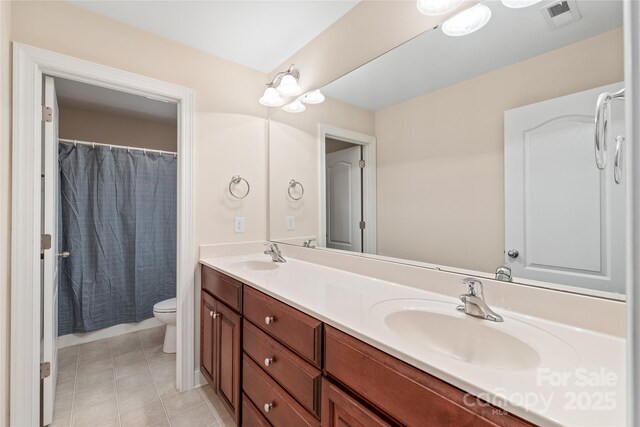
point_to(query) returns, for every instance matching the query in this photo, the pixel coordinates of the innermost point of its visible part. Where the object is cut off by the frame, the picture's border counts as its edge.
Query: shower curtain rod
(94, 144)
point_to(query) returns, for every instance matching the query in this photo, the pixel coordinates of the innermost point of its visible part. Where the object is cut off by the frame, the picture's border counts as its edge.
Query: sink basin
(435, 327)
(466, 339)
(255, 265)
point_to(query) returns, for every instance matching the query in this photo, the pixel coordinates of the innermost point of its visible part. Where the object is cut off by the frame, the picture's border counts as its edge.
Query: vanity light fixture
(519, 4)
(271, 97)
(313, 97)
(437, 7)
(467, 21)
(285, 83)
(288, 85)
(294, 107)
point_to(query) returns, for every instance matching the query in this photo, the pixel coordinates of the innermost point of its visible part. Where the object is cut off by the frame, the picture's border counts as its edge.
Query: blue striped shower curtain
(118, 221)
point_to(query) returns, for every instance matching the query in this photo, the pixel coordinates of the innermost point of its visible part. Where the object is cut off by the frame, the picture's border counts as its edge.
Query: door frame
(368, 144)
(632, 165)
(29, 65)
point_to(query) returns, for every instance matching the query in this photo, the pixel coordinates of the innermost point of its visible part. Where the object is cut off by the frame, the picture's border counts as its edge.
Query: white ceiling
(258, 34)
(434, 60)
(99, 99)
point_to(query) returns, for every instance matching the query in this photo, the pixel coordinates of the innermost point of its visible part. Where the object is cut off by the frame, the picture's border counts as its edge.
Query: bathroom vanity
(312, 345)
(290, 378)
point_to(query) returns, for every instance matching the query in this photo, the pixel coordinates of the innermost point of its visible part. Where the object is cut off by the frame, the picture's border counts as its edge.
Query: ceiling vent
(561, 13)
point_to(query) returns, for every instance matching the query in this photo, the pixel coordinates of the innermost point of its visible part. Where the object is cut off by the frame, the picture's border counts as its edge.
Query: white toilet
(165, 311)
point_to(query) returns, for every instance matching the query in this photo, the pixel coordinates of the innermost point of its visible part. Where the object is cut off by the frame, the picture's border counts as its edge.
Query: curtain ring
(292, 185)
(235, 180)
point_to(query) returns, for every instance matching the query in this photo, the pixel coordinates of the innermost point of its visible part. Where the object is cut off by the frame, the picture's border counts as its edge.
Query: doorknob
(513, 253)
(65, 254)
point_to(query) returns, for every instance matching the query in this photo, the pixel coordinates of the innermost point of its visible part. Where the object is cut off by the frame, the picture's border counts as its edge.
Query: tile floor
(128, 381)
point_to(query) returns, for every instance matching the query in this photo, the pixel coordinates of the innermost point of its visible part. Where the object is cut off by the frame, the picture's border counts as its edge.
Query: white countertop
(578, 380)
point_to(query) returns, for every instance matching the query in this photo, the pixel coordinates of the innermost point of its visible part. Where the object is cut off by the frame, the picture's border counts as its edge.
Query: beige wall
(440, 156)
(5, 205)
(116, 129)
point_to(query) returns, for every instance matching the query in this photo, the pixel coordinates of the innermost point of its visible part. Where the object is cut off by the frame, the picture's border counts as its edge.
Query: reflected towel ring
(235, 180)
(292, 184)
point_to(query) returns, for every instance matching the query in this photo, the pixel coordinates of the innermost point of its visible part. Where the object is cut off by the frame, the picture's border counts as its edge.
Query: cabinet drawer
(406, 394)
(251, 417)
(224, 288)
(341, 410)
(299, 377)
(262, 390)
(298, 331)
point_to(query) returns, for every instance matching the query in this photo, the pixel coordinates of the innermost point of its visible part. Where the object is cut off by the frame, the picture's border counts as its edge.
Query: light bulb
(294, 107)
(518, 4)
(288, 86)
(271, 98)
(467, 21)
(437, 7)
(313, 97)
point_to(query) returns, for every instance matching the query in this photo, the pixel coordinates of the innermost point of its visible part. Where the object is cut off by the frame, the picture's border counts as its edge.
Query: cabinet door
(341, 410)
(229, 349)
(208, 338)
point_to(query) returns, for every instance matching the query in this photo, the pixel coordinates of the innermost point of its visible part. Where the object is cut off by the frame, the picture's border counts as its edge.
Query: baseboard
(112, 331)
(198, 379)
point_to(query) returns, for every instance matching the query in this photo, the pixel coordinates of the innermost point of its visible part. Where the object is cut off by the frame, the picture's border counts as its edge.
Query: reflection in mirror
(472, 154)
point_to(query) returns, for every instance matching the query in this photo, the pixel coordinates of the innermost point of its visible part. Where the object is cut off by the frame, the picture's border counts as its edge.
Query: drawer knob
(268, 361)
(269, 320)
(267, 407)
(211, 313)
(215, 315)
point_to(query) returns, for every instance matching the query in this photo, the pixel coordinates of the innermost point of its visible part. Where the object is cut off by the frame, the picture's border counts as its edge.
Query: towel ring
(292, 184)
(235, 180)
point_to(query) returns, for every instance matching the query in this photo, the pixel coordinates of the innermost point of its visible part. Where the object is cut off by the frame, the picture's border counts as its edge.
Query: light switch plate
(238, 224)
(291, 223)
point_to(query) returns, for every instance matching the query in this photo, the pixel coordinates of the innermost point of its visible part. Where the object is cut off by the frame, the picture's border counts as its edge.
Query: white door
(563, 216)
(344, 200)
(50, 260)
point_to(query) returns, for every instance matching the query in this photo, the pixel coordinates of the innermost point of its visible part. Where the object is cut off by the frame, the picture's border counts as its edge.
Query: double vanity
(300, 343)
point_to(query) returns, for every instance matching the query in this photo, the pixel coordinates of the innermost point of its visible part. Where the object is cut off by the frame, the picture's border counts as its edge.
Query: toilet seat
(166, 306)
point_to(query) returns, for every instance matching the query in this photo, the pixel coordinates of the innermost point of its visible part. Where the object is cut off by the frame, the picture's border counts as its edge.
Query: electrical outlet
(238, 224)
(291, 223)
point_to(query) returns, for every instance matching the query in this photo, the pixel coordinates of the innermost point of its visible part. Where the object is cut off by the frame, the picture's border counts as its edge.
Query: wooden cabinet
(277, 406)
(404, 393)
(221, 339)
(339, 409)
(300, 378)
(251, 416)
(295, 329)
(266, 367)
(208, 338)
(229, 358)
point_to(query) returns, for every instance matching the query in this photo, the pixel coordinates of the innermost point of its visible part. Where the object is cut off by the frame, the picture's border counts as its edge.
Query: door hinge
(47, 114)
(45, 370)
(361, 163)
(45, 242)
(363, 225)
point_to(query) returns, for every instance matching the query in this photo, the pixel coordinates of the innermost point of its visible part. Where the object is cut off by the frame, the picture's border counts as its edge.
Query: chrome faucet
(503, 273)
(275, 254)
(309, 243)
(473, 302)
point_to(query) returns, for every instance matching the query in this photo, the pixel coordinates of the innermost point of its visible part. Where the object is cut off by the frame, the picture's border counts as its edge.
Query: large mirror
(472, 154)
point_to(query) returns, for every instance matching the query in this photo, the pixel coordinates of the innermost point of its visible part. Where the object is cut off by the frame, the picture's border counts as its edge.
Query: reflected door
(565, 219)
(344, 199)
